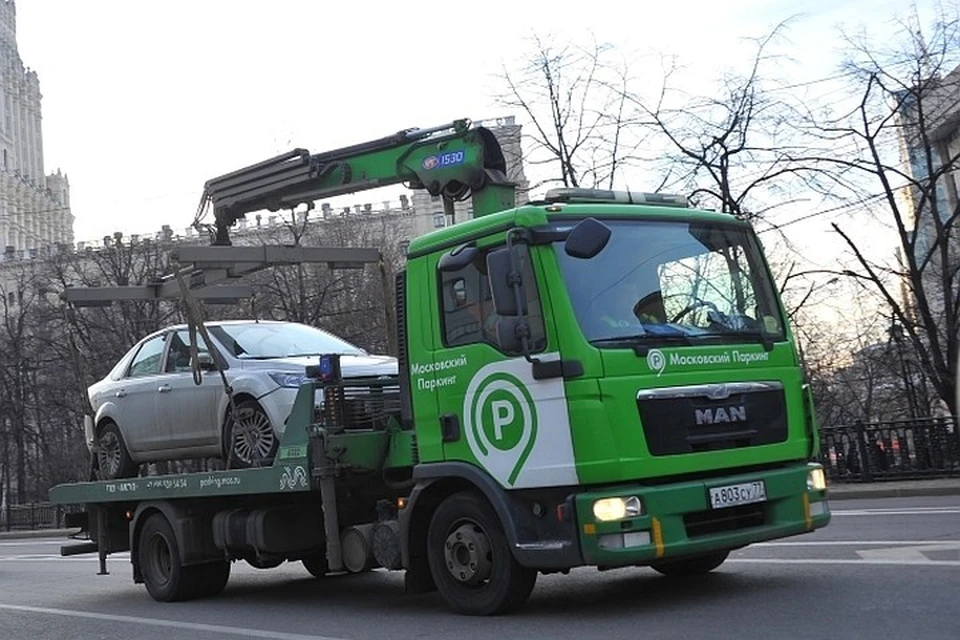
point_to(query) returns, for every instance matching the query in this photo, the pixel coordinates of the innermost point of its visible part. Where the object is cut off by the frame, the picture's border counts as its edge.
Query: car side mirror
(205, 362)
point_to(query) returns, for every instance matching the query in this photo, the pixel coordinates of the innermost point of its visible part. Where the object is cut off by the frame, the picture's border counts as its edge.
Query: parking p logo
(501, 423)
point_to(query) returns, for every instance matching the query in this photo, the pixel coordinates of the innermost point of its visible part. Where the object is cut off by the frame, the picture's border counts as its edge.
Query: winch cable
(195, 324)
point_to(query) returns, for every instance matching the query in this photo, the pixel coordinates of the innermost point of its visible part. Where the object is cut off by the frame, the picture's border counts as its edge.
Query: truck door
(492, 412)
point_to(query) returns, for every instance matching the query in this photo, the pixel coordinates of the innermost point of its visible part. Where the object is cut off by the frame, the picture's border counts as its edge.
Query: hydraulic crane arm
(453, 161)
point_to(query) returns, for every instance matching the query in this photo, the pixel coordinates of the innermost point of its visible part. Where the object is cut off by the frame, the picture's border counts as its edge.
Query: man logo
(721, 415)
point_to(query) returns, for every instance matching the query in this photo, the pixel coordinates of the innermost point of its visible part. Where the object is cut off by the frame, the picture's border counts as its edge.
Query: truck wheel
(211, 578)
(165, 578)
(470, 558)
(695, 566)
(316, 564)
(113, 459)
(263, 562)
(250, 438)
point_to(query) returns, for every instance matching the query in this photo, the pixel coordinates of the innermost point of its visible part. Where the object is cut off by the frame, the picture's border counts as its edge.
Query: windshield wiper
(755, 334)
(639, 340)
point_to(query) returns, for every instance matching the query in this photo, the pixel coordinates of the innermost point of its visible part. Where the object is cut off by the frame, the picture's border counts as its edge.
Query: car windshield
(265, 341)
(673, 282)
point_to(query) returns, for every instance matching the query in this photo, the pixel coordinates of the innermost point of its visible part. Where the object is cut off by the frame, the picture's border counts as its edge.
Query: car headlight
(288, 380)
(816, 479)
(607, 509)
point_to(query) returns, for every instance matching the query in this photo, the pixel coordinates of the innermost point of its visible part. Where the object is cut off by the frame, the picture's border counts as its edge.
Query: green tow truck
(599, 378)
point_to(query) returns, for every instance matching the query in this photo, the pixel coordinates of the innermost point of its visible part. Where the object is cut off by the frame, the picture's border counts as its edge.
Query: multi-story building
(938, 138)
(34, 207)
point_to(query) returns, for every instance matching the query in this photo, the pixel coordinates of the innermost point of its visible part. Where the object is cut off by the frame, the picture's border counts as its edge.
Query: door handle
(122, 393)
(164, 388)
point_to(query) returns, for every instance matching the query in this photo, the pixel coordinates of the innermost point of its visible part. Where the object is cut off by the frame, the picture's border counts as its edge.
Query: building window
(439, 221)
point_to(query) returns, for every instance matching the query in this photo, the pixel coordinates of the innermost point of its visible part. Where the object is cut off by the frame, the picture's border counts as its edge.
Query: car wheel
(251, 440)
(695, 566)
(113, 459)
(471, 561)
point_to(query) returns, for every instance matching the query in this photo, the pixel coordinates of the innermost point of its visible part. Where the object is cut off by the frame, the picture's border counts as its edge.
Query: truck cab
(619, 360)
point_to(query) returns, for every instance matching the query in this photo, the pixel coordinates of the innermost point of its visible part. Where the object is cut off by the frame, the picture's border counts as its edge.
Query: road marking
(911, 554)
(898, 512)
(887, 562)
(853, 543)
(174, 624)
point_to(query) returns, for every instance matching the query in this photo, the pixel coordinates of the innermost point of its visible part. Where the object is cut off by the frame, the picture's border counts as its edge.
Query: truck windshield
(673, 282)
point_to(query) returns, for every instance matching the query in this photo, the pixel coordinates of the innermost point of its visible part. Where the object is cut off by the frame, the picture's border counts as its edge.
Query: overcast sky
(145, 101)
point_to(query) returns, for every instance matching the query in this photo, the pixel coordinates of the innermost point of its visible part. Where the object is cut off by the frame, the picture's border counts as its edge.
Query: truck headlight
(607, 509)
(816, 479)
(288, 380)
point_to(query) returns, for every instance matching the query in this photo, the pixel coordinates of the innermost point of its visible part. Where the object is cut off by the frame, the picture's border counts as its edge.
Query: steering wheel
(693, 306)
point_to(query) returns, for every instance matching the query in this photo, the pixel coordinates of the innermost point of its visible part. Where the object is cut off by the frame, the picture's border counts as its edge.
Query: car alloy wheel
(252, 439)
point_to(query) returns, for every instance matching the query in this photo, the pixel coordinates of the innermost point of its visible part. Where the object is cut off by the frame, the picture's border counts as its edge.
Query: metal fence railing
(897, 450)
(36, 515)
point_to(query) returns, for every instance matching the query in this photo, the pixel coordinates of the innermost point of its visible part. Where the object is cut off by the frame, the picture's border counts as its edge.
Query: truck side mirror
(587, 239)
(509, 332)
(502, 279)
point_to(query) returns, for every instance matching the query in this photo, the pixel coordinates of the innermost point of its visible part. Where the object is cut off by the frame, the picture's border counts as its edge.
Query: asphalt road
(885, 568)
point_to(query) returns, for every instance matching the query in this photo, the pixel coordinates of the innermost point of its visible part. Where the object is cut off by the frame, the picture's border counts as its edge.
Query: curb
(891, 492)
(38, 533)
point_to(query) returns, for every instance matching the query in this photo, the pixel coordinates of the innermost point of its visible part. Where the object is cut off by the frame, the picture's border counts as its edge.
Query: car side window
(147, 360)
(178, 357)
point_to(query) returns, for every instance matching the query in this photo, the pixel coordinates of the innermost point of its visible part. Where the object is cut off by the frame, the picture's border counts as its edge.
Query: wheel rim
(253, 436)
(109, 453)
(160, 559)
(467, 555)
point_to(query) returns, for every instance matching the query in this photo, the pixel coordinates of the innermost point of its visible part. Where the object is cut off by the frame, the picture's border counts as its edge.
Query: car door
(188, 411)
(135, 398)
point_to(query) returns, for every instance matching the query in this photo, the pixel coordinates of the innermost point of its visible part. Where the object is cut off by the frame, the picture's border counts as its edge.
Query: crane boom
(453, 161)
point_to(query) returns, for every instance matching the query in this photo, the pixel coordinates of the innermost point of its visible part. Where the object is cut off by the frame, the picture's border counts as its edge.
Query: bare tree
(574, 101)
(729, 150)
(898, 145)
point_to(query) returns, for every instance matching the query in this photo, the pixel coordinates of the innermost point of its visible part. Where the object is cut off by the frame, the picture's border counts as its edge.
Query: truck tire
(470, 558)
(316, 564)
(695, 566)
(113, 459)
(159, 554)
(211, 579)
(250, 439)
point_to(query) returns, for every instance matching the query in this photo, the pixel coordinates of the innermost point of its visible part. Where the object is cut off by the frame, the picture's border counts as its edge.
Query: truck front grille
(705, 523)
(712, 417)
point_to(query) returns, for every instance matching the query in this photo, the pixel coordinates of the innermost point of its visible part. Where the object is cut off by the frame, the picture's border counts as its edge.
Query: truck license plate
(734, 494)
